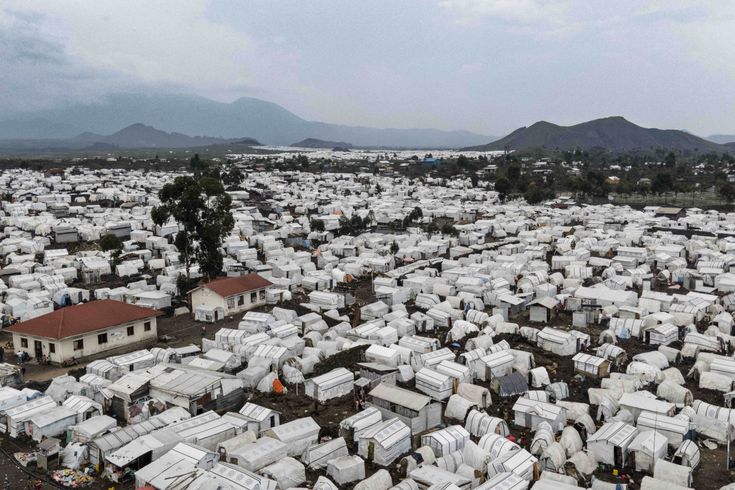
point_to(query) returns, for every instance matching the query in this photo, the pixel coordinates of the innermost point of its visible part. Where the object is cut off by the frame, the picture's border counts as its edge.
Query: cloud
(486, 65)
(538, 12)
(156, 43)
(37, 71)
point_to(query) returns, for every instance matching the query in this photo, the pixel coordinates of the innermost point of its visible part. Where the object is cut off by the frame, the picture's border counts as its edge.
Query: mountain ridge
(265, 121)
(317, 143)
(134, 136)
(721, 139)
(614, 133)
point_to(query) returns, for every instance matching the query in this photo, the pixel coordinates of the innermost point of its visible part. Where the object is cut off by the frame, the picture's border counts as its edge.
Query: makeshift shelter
(675, 429)
(354, 425)
(510, 385)
(258, 454)
(480, 423)
(446, 441)
(591, 365)
(497, 364)
(643, 401)
(51, 423)
(520, 463)
(673, 473)
(91, 428)
(688, 454)
(334, 384)
(346, 469)
(316, 456)
(647, 447)
(297, 434)
(428, 475)
(558, 341)
(417, 411)
(259, 418)
(286, 472)
(530, 413)
(437, 385)
(385, 442)
(610, 444)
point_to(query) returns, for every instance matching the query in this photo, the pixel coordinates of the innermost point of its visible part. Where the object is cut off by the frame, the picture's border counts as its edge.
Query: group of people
(23, 357)
(7, 319)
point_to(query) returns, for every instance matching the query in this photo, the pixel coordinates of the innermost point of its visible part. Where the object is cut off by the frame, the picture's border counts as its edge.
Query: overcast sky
(484, 65)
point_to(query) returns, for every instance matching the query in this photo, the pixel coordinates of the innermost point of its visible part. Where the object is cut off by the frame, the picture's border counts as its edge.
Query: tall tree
(201, 207)
(662, 182)
(503, 187)
(727, 191)
(197, 164)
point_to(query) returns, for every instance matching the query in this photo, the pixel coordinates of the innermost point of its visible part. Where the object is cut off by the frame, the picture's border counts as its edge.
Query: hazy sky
(483, 65)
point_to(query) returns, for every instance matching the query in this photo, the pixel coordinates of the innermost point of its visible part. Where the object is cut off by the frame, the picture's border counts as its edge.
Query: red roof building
(214, 300)
(85, 329)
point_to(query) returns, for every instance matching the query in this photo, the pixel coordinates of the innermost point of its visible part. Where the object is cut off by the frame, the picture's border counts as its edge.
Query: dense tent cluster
(365, 332)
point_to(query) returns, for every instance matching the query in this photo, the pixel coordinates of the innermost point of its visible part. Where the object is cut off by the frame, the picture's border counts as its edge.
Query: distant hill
(721, 139)
(317, 143)
(265, 121)
(610, 133)
(135, 136)
(141, 136)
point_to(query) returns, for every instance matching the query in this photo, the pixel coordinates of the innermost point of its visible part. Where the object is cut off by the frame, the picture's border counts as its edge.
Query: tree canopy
(201, 207)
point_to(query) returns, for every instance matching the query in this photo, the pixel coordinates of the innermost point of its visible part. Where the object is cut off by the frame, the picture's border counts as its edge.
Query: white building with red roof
(216, 299)
(85, 330)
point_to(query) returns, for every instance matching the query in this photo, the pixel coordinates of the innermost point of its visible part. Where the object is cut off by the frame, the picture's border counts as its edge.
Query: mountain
(135, 136)
(259, 119)
(721, 139)
(610, 133)
(141, 136)
(317, 143)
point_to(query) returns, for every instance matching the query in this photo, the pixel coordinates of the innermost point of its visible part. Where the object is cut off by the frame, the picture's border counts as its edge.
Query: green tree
(317, 225)
(670, 159)
(503, 187)
(537, 193)
(463, 161)
(356, 222)
(514, 172)
(233, 177)
(110, 242)
(662, 182)
(345, 226)
(197, 165)
(726, 190)
(449, 229)
(201, 207)
(394, 247)
(474, 179)
(303, 161)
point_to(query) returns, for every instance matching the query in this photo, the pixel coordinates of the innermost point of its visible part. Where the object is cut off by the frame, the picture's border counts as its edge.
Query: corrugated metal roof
(399, 396)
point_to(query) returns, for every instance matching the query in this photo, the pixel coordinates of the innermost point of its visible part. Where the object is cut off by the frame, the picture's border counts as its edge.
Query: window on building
(23, 342)
(102, 338)
(253, 297)
(240, 300)
(147, 326)
(230, 302)
(261, 295)
(51, 348)
(131, 331)
(79, 344)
